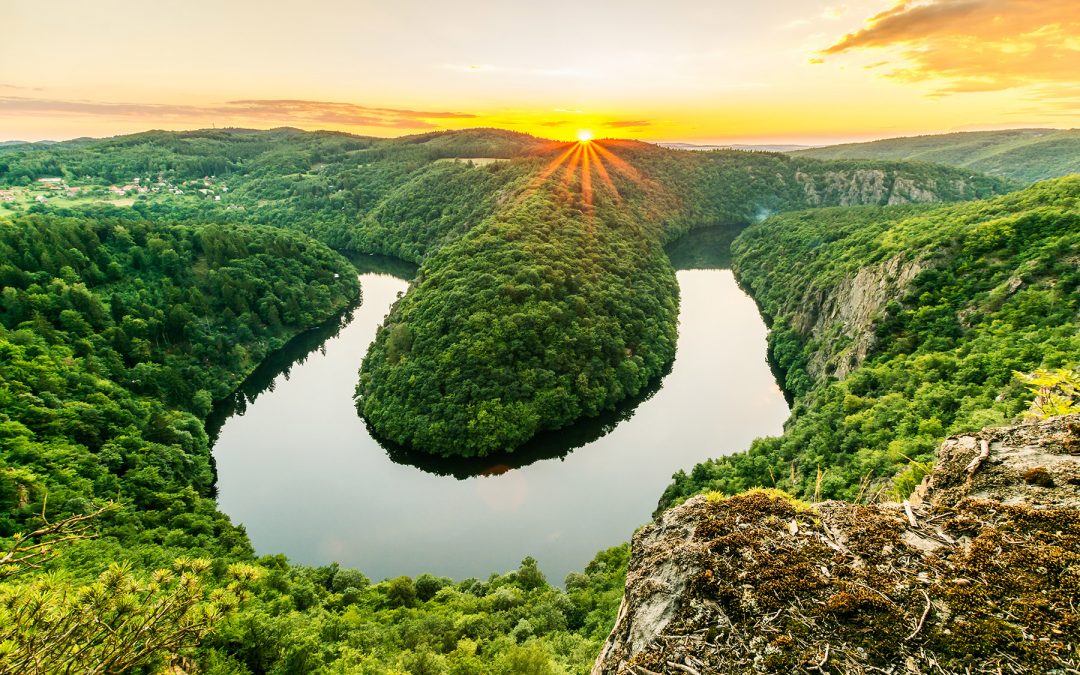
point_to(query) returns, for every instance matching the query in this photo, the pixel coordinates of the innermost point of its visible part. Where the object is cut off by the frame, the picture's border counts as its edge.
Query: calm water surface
(299, 469)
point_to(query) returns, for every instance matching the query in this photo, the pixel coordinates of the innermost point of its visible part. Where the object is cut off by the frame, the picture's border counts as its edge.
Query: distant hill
(479, 142)
(734, 146)
(1024, 154)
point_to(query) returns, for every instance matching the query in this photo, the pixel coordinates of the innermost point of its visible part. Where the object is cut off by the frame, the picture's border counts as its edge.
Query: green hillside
(543, 294)
(564, 266)
(1027, 155)
(965, 295)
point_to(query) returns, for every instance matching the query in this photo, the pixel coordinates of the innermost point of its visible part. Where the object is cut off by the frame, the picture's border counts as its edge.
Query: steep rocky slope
(978, 572)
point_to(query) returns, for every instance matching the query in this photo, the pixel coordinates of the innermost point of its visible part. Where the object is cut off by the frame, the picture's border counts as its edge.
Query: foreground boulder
(978, 573)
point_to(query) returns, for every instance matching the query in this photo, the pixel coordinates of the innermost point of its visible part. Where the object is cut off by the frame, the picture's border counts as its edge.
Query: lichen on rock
(978, 572)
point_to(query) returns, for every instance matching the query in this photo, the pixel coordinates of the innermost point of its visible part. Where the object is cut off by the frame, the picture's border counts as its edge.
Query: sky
(707, 71)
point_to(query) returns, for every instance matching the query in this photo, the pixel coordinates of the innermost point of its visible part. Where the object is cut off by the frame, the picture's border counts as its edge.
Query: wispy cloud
(976, 45)
(628, 124)
(274, 111)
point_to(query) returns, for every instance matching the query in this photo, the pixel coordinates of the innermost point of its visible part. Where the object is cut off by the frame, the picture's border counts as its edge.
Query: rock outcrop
(845, 316)
(978, 573)
(873, 186)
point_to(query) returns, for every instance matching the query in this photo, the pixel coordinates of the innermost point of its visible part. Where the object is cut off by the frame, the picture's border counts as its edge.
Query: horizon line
(805, 142)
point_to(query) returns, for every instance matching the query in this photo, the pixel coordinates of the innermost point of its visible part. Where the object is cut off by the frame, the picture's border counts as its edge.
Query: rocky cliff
(979, 572)
(843, 317)
(877, 186)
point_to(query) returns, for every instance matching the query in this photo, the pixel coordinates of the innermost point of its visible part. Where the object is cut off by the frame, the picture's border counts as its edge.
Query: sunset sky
(788, 71)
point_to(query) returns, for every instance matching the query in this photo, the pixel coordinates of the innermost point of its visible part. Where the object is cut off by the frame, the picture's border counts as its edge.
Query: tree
(50, 625)
(1056, 392)
(401, 592)
(117, 623)
(30, 550)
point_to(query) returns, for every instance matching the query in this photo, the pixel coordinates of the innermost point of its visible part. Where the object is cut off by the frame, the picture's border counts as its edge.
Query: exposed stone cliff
(874, 186)
(844, 317)
(978, 573)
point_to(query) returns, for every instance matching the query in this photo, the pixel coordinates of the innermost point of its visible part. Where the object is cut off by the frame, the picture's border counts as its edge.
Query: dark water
(298, 468)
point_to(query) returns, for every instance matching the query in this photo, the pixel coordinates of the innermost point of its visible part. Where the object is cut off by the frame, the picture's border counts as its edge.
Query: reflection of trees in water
(707, 248)
(557, 443)
(296, 351)
(381, 264)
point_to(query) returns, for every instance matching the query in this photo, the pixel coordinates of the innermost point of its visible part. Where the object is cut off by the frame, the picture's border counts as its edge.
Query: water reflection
(278, 365)
(554, 444)
(381, 264)
(295, 352)
(705, 249)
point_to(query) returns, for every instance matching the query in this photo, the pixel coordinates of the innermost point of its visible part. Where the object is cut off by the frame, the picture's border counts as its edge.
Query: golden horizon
(802, 72)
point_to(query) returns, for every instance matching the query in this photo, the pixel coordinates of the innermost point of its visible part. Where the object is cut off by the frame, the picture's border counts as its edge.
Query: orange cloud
(976, 45)
(275, 111)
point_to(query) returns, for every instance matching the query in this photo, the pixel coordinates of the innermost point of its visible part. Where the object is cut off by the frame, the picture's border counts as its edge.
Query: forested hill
(116, 336)
(893, 328)
(1023, 154)
(560, 302)
(545, 294)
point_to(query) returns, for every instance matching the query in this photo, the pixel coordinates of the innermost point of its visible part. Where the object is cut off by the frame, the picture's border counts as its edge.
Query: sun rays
(586, 165)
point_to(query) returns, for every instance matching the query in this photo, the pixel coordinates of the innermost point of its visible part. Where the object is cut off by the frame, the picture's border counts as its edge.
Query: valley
(556, 334)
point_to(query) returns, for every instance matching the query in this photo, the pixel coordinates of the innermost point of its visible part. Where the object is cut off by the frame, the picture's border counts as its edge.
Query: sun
(584, 135)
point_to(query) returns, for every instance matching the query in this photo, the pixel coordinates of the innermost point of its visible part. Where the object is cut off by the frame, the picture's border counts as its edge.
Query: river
(299, 469)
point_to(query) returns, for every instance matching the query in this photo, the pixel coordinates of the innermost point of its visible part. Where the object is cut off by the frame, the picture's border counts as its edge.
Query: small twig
(922, 619)
(874, 590)
(685, 669)
(824, 659)
(946, 538)
(910, 514)
(975, 463)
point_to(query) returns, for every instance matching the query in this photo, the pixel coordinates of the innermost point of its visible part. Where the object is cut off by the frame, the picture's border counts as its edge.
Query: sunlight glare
(584, 135)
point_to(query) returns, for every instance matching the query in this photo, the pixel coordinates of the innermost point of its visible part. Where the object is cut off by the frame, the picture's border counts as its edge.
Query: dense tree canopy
(544, 294)
(129, 307)
(996, 292)
(562, 303)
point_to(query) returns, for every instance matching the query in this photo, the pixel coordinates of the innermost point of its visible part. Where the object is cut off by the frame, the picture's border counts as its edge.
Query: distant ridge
(735, 146)
(1024, 154)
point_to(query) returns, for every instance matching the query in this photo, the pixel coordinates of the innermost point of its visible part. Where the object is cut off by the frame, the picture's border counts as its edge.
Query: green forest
(557, 306)
(535, 305)
(146, 276)
(996, 292)
(117, 336)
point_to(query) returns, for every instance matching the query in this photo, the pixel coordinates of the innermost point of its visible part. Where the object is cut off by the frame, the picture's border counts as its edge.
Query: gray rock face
(978, 572)
(846, 314)
(870, 186)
